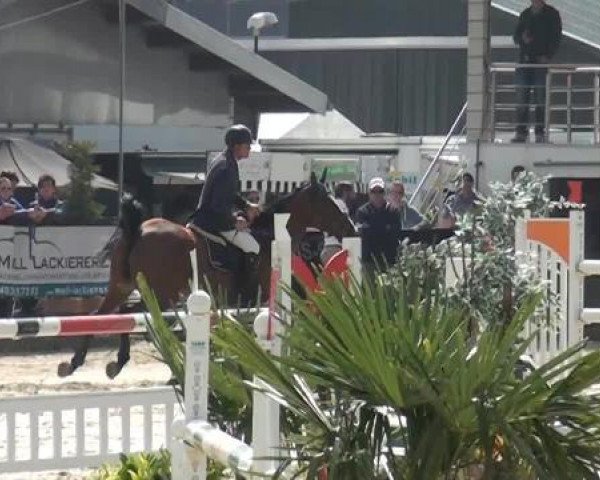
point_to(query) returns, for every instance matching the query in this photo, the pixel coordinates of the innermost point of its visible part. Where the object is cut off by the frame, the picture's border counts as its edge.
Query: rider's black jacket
(220, 196)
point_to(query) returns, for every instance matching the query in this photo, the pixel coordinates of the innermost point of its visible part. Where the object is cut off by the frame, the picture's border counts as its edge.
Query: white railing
(83, 430)
(571, 101)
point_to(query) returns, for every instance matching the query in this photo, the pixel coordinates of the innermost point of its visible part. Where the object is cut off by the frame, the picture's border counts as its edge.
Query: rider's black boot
(249, 282)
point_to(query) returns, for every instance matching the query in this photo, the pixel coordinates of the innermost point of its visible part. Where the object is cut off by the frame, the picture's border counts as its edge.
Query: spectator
(410, 218)
(516, 172)
(538, 35)
(343, 195)
(10, 208)
(12, 176)
(46, 208)
(462, 202)
(379, 227)
(253, 196)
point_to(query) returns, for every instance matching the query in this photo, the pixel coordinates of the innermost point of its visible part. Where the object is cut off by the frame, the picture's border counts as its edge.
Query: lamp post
(258, 21)
(122, 41)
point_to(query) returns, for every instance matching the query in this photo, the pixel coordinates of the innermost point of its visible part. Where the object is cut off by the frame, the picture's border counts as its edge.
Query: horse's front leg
(67, 368)
(114, 368)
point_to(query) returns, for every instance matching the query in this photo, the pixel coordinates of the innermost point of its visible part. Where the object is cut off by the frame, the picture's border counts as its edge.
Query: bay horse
(160, 249)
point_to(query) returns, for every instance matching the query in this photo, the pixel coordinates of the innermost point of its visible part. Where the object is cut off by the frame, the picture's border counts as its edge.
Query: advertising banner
(53, 261)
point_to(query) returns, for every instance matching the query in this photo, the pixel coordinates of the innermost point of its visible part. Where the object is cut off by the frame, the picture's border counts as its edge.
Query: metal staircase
(429, 195)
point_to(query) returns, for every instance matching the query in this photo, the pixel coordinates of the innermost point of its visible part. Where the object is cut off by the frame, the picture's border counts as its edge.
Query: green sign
(337, 170)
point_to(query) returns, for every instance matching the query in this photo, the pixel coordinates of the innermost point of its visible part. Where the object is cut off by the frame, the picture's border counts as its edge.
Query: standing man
(379, 227)
(464, 201)
(220, 200)
(538, 36)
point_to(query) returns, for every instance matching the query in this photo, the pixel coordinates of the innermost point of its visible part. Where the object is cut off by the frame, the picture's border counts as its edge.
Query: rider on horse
(220, 204)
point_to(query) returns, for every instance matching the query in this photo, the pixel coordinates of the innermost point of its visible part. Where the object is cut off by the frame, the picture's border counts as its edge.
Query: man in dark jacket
(220, 201)
(379, 227)
(538, 36)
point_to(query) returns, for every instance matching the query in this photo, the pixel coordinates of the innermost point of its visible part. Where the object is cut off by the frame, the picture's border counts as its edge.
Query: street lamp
(258, 21)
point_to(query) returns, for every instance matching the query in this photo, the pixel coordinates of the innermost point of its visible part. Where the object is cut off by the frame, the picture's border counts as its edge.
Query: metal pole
(122, 41)
(437, 155)
(597, 108)
(547, 105)
(569, 107)
(493, 106)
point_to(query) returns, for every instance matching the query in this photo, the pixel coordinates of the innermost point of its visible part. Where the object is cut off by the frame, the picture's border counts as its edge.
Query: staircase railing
(570, 101)
(430, 189)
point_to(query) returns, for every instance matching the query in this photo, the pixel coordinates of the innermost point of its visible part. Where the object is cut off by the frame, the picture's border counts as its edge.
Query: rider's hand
(241, 224)
(252, 211)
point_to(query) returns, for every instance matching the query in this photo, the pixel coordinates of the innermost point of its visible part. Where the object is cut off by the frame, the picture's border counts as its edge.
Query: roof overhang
(260, 78)
(371, 43)
(385, 144)
(174, 168)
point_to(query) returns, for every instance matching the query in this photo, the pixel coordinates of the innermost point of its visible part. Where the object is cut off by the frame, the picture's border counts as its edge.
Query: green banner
(337, 170)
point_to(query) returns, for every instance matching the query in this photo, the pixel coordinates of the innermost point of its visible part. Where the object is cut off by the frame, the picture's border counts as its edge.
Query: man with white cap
(379, 227)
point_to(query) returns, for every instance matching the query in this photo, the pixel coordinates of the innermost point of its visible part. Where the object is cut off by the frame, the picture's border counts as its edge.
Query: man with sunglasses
(379, 226)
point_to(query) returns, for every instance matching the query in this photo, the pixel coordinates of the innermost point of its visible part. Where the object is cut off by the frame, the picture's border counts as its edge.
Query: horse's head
(313, 206)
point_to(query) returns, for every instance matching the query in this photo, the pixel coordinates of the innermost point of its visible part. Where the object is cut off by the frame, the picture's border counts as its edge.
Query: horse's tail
(108, 249)
(128, 230)
(132, 217)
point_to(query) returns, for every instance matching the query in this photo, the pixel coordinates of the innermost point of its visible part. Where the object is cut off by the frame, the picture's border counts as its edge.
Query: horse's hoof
(65, 369)
(113, 369)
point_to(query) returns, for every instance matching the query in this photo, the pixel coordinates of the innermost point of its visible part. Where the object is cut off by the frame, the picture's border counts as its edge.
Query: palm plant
(383, 353)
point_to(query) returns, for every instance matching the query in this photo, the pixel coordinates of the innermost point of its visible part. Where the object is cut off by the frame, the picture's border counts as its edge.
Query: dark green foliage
(80, 206)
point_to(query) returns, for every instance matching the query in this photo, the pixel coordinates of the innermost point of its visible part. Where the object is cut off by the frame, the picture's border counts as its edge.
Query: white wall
(497, 160)
(65, 68)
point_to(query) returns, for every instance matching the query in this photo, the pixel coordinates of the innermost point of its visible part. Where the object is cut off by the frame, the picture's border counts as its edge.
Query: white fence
(82, 430)
(554, 247)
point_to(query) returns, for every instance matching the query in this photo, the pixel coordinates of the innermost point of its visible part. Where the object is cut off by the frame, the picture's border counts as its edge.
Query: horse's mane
(265, 221)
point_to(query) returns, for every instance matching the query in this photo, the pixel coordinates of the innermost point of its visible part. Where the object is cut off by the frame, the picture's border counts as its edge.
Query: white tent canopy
(30, 161)
(307, 126)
